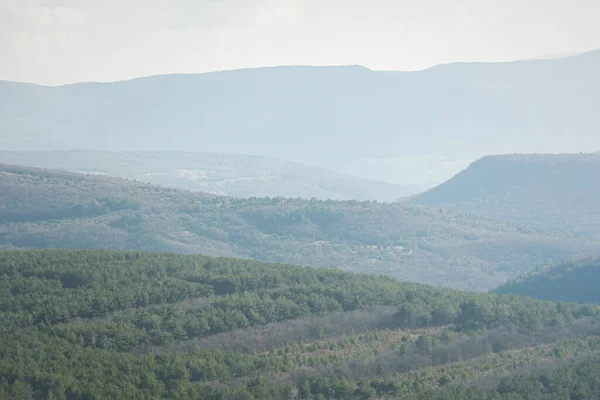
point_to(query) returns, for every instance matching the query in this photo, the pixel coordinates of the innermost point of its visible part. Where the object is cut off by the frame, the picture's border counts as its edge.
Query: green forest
(98, 324)
(576, 281)
(45, 209)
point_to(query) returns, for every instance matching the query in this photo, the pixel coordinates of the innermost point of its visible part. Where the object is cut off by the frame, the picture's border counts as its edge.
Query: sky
(54, 42)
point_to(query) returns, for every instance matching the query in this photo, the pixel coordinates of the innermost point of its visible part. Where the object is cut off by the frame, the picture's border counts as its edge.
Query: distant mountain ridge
(323, 116)
(575, 281)
(234, 175)
(552, 190)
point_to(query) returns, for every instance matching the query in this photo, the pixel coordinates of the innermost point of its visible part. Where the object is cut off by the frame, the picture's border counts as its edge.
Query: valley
(232, 175)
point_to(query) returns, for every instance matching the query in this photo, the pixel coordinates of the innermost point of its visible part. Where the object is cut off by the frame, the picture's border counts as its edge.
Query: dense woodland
(42, 209)
(99, 324)
(577, 281)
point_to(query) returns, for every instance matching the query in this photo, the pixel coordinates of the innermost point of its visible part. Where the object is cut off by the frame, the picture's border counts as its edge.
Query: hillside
(225, 174)
(557, 191)
(130, 325)
(41, 209)
(568, 281)
(324, 116)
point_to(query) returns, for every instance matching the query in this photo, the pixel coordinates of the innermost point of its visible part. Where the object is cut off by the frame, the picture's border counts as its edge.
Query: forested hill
(322, 116)
(99, 324)
(44, 209)
(569, 281)
(560, 191)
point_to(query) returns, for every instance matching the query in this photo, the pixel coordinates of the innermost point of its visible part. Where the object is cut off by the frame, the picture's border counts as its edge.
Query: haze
(111, 40)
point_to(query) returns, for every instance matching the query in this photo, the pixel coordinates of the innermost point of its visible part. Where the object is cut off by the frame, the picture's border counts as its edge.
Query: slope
(568, 281)
(226, 174)
(130, 325)
(557, 191)
(40, 209)
(322, 116)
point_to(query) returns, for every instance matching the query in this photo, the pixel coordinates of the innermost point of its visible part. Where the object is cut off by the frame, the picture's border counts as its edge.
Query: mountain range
(332, 117)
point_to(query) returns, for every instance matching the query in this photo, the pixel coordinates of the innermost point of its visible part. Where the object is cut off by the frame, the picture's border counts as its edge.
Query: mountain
(556, 191)
(46, 209)
(226, 174)
(568, 281)
(323, 116)
(100, 324)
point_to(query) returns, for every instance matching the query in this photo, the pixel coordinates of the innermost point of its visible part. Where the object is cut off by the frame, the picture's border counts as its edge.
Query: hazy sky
(60, 41)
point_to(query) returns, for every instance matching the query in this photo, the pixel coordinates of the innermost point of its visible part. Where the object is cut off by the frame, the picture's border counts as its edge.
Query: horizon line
(92, 82)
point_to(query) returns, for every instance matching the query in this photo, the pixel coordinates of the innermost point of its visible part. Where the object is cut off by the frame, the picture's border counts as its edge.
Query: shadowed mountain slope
(556, 191)
(576, 281)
